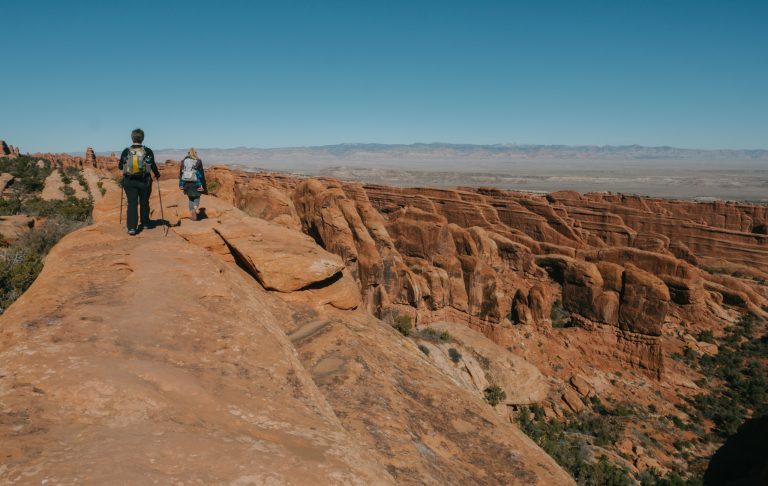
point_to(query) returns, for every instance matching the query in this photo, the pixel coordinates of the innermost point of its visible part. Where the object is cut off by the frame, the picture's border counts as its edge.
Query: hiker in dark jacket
(192, 181)
(136, 162)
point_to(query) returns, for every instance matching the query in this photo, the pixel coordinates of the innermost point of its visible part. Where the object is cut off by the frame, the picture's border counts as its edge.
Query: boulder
(572, 400)
(580, 384)
(280, 258)
(14, 227)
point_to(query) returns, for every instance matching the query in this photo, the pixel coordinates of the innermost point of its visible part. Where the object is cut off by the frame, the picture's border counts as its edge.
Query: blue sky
(290, 73)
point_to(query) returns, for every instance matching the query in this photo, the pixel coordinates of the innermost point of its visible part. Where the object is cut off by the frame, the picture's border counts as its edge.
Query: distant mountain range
(658, 171)
(365, 153)
(460, 157)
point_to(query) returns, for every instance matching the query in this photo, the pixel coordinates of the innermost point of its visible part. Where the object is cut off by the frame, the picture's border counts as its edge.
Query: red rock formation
(489, 257)
(90, 157)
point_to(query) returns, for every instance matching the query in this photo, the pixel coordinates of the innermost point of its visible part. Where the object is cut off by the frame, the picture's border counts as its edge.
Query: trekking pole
(162, 214)
(122, 190)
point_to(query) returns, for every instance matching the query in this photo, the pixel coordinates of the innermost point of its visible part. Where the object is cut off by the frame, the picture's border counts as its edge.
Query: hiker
(136, 162)
(192, 181)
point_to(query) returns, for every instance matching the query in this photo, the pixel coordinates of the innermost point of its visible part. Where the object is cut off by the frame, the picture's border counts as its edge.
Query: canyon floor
(311, 329)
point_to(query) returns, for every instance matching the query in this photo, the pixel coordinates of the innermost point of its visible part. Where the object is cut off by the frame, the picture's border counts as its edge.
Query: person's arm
(152, 163)
(201, 171)
(123, 156)
(181, 171)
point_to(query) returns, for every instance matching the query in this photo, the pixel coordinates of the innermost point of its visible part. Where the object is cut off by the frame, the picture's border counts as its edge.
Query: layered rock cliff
(494, 259)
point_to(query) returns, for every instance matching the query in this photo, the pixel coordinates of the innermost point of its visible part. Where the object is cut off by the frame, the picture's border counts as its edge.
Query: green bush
(495, 395)
(65, 178)
(706, 336)
(213, 187)
(21, 262)
(30, 178)
(424, 349)
(434, 335)
(739, 378)
(565, 443)
(454, 354)
(651, 477)
(70, 208)
(403, 325)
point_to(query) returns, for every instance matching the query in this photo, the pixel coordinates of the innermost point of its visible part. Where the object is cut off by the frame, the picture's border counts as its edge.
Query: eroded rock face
(489, 257)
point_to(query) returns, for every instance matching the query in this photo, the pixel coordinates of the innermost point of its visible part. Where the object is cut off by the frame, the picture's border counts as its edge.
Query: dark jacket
(199, 172)
(149, 159)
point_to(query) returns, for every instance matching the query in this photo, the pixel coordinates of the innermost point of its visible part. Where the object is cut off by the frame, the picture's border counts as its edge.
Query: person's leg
(132, 210)
(144, 198)
(193, 207)
(148, 221)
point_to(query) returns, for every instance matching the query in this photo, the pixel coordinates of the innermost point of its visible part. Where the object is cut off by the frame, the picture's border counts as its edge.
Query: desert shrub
(11, 205)
(30, 178)
(68, 191)
(424, 349)
(434, 335)
(605, 429)
(213, 187)
(19, 267)
(740, 367)
(21, 262)
(706, 336)
(83, 183)
(570, 450)
(454, 354)
(65, 178)
(494, 395)
(403, 325)
(70, 208)
(559, 316)
(651, 477)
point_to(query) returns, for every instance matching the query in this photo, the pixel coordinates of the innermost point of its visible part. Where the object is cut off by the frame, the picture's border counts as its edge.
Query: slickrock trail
(156, 359)
(144, 360)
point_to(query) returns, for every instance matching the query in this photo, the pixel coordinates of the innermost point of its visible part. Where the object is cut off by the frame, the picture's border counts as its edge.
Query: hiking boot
(193, 215)
(132, 232)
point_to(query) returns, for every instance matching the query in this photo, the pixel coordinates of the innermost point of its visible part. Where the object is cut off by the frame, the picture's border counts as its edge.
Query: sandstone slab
(280, 258)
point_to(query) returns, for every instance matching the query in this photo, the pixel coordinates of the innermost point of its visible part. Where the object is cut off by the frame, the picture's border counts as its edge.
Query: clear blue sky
(289, 73)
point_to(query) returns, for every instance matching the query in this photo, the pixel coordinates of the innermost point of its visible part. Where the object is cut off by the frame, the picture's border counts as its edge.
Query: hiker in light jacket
(192, 181)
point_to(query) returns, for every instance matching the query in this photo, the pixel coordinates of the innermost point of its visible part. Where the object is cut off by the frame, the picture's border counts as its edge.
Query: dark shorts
(191, 191)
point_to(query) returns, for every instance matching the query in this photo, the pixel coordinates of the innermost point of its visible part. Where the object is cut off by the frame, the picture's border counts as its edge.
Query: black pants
(137, 192)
